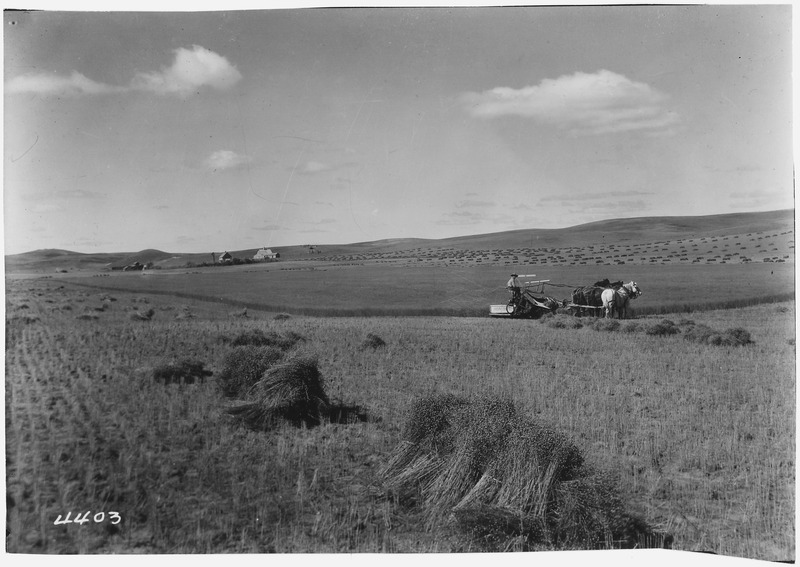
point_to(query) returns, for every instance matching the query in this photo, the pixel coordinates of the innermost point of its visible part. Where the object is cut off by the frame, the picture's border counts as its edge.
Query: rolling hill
(729, 238)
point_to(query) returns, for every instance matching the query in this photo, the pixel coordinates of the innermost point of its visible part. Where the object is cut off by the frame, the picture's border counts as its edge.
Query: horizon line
(515, 230)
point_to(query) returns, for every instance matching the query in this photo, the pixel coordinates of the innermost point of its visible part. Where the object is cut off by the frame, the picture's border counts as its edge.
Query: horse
(591, 297)
(604, 283)
(585, 298)
(619, 299)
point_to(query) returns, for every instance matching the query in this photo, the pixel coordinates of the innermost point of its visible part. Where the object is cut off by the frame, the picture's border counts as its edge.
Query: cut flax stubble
(608, 325)
(505, 480)
(562, 321)
(662, 328)
(186, 371)
(706, 335)
(290, 391)
(257, 337)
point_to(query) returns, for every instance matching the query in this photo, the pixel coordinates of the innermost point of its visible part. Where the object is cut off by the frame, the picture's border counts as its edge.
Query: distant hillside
(143, 257)
(729, 238)
(57, 260)
(630, 231)
(724, 239)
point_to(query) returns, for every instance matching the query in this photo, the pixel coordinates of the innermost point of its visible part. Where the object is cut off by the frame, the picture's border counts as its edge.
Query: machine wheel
(511, 307)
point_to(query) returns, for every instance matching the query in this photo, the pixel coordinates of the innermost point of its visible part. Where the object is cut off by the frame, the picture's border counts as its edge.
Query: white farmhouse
(266, 254)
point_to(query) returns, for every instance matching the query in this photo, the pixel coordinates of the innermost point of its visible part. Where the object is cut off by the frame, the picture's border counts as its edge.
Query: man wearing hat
(514, 287)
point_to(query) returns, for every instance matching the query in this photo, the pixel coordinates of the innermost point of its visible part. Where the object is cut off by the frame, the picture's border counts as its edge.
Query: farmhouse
(266, 254)
(225, 257)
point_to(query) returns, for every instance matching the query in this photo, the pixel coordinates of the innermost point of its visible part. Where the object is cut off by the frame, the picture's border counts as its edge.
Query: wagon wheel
(511, 307)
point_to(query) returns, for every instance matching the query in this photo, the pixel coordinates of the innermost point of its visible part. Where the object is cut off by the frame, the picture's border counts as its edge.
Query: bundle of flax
(291, 391)
(506, 480)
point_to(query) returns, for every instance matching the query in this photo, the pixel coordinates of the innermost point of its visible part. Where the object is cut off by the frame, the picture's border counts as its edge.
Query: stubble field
(700, 437)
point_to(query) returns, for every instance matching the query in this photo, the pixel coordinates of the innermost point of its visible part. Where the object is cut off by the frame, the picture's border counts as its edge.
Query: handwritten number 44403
(98, 518)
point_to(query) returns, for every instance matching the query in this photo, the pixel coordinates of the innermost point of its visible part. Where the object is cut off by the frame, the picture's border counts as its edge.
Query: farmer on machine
(514, 287)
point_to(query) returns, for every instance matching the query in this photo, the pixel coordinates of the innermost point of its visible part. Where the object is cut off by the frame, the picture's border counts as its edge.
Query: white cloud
(192, 69)
(90, 241)
(321, 221)
(472, 218)
(314, 167)
(270, 227)
(461, 218)
(523, 206)
(75, 84)
(583, 103)
(79, 194)
(471, 203)
(65, 194)
(585, 197)
(225, 159)
(750, 200)
(617, 208)
(46, 208)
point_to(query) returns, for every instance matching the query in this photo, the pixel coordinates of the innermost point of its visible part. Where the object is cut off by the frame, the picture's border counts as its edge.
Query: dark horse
(590, 296)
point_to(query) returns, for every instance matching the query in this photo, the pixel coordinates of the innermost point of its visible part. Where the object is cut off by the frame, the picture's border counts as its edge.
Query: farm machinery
(528, 302)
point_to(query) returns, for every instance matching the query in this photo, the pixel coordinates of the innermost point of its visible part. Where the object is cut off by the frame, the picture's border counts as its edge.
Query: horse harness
(628, 292)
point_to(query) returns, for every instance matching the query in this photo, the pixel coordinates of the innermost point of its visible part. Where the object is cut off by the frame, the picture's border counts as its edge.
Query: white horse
(619, 299)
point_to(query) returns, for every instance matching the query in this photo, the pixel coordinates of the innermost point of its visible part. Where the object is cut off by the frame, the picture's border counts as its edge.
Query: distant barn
(225, 257)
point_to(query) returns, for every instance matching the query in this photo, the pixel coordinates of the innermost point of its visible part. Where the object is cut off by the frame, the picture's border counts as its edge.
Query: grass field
(699, 437)
(324, 289)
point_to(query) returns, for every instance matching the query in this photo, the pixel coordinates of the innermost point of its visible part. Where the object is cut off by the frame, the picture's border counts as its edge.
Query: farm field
(699, 437)
(324, 288)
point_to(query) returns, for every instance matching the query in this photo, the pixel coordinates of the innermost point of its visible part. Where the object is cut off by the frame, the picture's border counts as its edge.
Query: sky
(228, 130)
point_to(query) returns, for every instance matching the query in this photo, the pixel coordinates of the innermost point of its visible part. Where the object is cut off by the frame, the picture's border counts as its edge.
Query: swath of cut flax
(291, 391)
